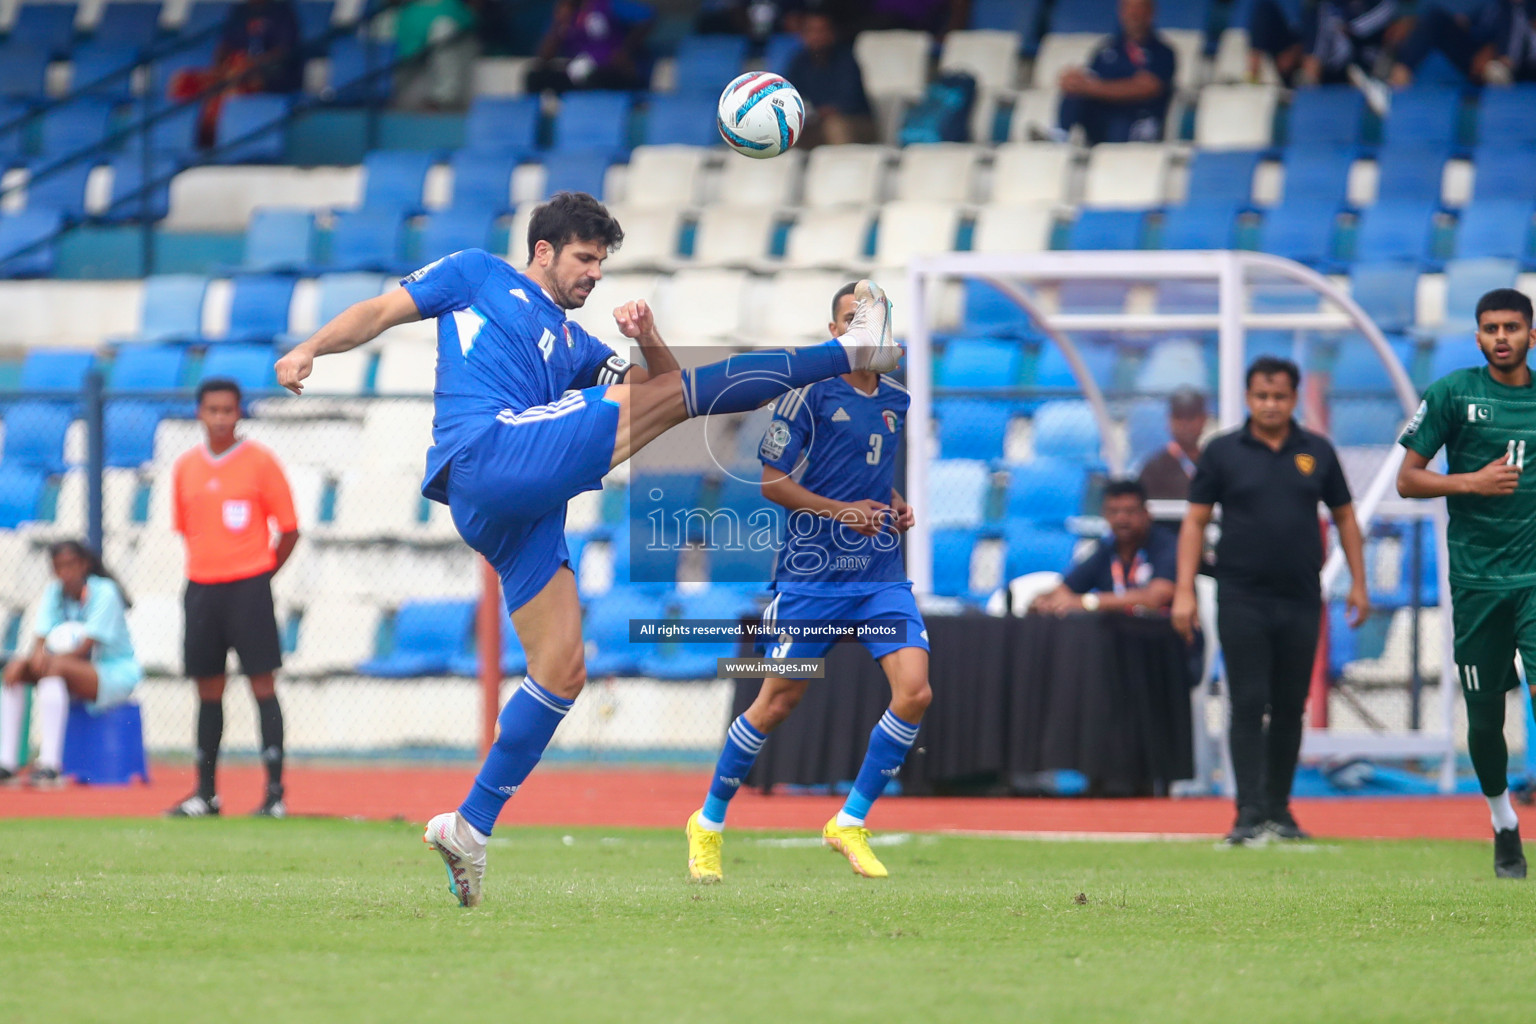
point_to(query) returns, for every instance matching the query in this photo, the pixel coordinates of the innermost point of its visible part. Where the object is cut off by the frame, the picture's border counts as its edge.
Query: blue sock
(744, 382)
(742, 742)
(888, 745)
(527, 723)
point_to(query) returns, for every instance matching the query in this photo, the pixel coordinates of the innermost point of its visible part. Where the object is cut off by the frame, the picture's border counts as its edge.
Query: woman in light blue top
(80, 648)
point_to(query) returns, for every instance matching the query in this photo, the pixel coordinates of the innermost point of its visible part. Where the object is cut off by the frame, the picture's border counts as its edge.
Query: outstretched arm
(356, 325)
(638, 323)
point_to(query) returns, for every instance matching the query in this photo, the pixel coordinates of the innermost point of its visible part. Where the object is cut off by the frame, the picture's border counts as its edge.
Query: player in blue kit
(530, 410)
(841, 562)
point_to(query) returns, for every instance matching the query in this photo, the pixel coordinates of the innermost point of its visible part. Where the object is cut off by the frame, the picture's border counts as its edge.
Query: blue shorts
(893, 603)
(508, 487)
(116, 679)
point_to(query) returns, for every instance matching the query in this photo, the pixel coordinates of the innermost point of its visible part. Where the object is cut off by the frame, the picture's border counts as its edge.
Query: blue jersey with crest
(847, 442)
(502, 343)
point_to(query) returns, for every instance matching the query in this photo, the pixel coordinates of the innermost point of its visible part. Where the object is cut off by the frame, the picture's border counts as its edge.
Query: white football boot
(868, 339)
(462, 854)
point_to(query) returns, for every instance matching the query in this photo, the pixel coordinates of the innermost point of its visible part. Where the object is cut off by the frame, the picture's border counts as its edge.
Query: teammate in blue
(530, 410)
(841, 561)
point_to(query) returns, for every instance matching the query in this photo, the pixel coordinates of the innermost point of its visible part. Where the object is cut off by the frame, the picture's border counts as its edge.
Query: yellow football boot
(703, 851)
(853, 843)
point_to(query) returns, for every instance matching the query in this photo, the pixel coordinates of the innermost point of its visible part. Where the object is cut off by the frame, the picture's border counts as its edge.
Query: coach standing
(1268, 478)
(227, 494)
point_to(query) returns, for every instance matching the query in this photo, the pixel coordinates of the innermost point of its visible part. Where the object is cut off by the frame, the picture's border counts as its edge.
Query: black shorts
(236, 614)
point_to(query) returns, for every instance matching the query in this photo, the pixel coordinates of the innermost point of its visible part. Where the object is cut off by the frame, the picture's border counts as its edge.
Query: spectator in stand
(1337, 41)
(438, 34)
(1123, 93)
(1493, 45)
(755, 19)
(259, 51)
(227, 495)
(829, 81)
(80, 649)
(1167, 474)
(1132, 570)
(933, 16)
(592, 44)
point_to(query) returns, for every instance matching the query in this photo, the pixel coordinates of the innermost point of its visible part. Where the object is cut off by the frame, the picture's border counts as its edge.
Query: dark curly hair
(572, 217)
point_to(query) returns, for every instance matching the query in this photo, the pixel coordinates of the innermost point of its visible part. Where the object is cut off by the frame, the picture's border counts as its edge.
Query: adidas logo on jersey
(841, 416)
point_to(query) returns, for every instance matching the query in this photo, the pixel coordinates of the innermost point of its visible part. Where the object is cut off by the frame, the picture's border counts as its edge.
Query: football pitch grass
(321, 920)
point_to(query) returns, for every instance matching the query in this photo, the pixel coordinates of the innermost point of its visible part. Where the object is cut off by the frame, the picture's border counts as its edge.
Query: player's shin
(888, 745)
(742, 743)
(745, 381)
(526, 723)
(1490, 754)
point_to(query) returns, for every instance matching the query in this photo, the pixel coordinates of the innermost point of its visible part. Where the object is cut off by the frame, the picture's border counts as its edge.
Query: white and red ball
(761, 114)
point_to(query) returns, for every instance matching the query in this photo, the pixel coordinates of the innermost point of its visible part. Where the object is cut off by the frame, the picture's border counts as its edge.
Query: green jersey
(1476, 420)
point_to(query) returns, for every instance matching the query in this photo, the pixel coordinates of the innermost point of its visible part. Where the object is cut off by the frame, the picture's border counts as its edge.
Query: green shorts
(1490, 626)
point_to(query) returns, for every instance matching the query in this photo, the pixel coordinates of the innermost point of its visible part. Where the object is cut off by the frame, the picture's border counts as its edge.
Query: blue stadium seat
(1386, 292)
(681, 120)
(506, 125)
(450, 231)
(678, 661)
(1501, 173)
(34, 435)
(1498, 228)
(1053, 371)
(606, 630)
(1021, 16)
(1092, 296)
(146, 368)
(56, 371)
(125, 23)
(101, 69)
(952, 550)
(1317, 174)
(261, 117)
(393, 180)
(1046, 490)
(972, 428)
(357, 70)
(22, 71)
(1036, 548)
(1358, 370)
(739, 563)
(128, 429)
(21, 489)
(1198, 227)
(1106, 229)
(279, 240)
(593, 120)
(1364, 421)
(128, 182)
(1409, 174)
(24, 249)
(73, 126)
(48, 27)
(61, 190)
(1455, 349)
(205, 16)
(11, 142)
(1083, 16)
(1423, 115)
(336, 293)
(366, 240)
(250, 366)
(1223, 177)
(1301, 230)
(1393, 230)
(961, 489)
(980, 363)
(314, 18)
(1326, 116)
(258, 309)
(1506, 118)
(989, 311)
(1171, 364)
(172, 308)
(1186, 297)
(705, 64)
(1146, 429)
(1184, 14)
(428, 634)
(576, 171)
(1066, 429)
(482, 181)
(173, 135)
(514, 660)
(1466, 281)
(782, 48)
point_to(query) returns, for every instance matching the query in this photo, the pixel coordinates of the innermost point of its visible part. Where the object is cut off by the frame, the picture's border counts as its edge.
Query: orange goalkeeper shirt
(224, 504)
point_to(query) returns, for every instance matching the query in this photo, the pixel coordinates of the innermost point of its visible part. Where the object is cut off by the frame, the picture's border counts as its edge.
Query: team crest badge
(568, 342)
(890, 420)
(775, 440)
(1306, 464)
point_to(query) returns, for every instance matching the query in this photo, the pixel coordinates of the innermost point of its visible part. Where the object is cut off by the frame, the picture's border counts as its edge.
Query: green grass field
(336, 921)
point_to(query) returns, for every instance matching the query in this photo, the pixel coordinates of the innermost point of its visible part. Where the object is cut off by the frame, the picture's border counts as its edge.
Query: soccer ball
(65, 638)
(761, 115)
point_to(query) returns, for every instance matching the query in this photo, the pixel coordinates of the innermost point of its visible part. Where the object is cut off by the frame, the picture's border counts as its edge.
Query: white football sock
(13, 707)
(846, 820)
(710, 826)
(1503, 812)
(52, 714)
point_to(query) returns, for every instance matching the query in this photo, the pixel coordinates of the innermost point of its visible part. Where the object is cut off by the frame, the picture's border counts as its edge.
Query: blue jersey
(847, 442)
(502, 344)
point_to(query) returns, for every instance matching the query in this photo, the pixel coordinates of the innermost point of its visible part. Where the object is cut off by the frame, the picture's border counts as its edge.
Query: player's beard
(574, 296)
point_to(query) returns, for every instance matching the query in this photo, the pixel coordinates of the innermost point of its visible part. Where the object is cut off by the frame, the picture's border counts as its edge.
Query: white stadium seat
(1126, 174)
(800, 302)
(341, 373)
(1062, 50)
(1013, 229)
(155, 622)
(733, 236)
(650, 237)
(613, 291)
(941, 172)
(406, 367)
(396, 435)
(501, 76)
(773, 182)
(894, 63)
(851, 175)
(1033, 108)
(333, 637)
(1032, 173)
(702, 304)
(1235, 116)
(828, 238)
(915, 228)
(1189, 50)
(664, 176)
(988, 55)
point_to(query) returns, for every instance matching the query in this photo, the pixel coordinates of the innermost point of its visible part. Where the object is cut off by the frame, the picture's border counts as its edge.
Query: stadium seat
(1236, 116)
(1037, 548)
(593, 120)
(73, 126)
(893, 63)
(1021, 17)
(681, 120)
(763, 182)
(1126, 175)
(393, 181)
(666, 177)
(1325, 116)
(1358, 370)
(172, 309)
(258, 310)
(1499, 173)
(279, 240)
(47, 27)
(482, 181)
(952, 549)
(939, 172)
(1506, 118)
(1185, 296)
(1495, 228)
(21, 489)
(406, 367)
(1013, 229)
(127, 23)
(1097, 16)
(1172, 364)
(1066, 429)
(728, 236)
(173, 134)
(56, 371)
(1393, 230)
(1033, 109)
(1468, 280)
(1053, 372)
(782, 48)
(1092, 296)
(1421, 116)
(1198, 227)
(1301, 230)
(1030, 173)
(991, 57)
(102, 70)
(960, 489)
(909, 228)
(514, 660)
(650, 238)
(1059, 51)
(252, 127)
(450, 231)
(741, 563)
(503, 125)
(850, 175)
(606, 629)
(1386, 292)
(427, 636)
(972, 428)
(1318, 175)
(130, 200)
(1409, 174)
(314, 18)
(1364, 421)
(574, 170)
(366, 240)
(1146, 429)
(696, 660)
(358, 75)
(978, 363)
(1106, 229)
(1222, 177)
(34, 435)
(25, 246)
(250, 366)
(60, 188)
(828, 238)
(128, 430)
(1455, 349)
(146, 368)
(706, 63)
(204, 16)
(1045, 491)
(22, 71)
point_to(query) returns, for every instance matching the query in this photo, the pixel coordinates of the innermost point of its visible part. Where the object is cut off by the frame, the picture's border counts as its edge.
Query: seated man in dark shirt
(1492, 45)
(829, 80)
(1336, 41)
(1166, 475)
(1123, 93)
(262, 35)
(1132, 570)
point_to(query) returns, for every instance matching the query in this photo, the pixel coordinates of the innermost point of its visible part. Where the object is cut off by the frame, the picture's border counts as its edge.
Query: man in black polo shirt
(1132, 570)
(1268, 478)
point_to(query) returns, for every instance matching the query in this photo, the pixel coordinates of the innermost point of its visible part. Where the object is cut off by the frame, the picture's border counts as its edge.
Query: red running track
(660, 798)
